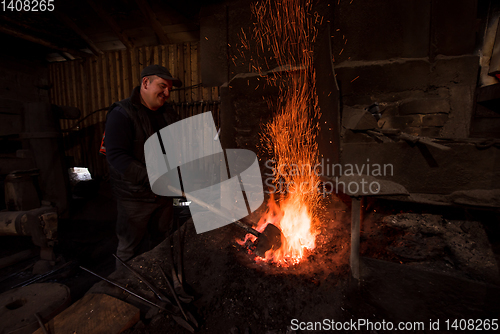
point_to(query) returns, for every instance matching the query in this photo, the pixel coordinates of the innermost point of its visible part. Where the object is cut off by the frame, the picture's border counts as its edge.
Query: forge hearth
(400, 282)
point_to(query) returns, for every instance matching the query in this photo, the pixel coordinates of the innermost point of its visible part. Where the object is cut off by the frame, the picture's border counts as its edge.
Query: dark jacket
(133, 183)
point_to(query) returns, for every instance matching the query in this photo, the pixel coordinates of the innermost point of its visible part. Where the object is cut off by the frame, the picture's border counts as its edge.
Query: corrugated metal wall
(96, 83)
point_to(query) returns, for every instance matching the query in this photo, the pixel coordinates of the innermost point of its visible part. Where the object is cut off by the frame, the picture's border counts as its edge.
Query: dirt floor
(416, 268)
(419, 264)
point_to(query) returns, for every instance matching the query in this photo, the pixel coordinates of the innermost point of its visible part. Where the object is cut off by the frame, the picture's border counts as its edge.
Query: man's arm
(119, 139)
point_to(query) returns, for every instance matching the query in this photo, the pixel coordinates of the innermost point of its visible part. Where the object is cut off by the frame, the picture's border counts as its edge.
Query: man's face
(155, 93)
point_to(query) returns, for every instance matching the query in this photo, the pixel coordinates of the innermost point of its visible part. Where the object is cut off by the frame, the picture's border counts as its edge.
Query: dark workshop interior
(400, 97)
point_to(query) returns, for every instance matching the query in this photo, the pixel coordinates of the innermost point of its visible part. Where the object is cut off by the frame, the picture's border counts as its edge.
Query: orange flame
(286, 29)
(295, 222)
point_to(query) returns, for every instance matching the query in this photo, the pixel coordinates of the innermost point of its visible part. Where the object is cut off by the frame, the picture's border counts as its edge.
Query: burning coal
(287, 29)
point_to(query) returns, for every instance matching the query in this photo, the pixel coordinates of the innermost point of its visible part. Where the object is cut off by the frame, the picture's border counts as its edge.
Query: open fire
(287, 29)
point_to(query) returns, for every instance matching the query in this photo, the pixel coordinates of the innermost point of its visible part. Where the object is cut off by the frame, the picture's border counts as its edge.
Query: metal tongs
(178, 313)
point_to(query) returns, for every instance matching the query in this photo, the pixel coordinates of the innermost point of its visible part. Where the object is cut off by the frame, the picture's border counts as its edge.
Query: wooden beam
(112, 23)
(64, 55)
(355, 233)
(153, 20)
(43, 42)
(95, 50)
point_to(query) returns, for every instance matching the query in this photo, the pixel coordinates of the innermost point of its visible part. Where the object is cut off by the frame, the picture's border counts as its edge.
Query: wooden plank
(186, 59)
(113, 80)
(148, 53)
(96, 314)
(164, 55)
(156, 56)
(206, 93)
(57, 85)
(98, 82)
(75, 102)
(126, 68)
(94, 83)
(180, 69)
(142, 59)
(112, 23)
(79, 152)
(106, 88)
(84, 81)
(119, 77)
(95, 136)
(92, 91)
(61, 83)
(51, 82)
(65, 92)
(214, 94)
(55, 80)
(172, 68)
(195, 92)
(135, 76)
(76, 98)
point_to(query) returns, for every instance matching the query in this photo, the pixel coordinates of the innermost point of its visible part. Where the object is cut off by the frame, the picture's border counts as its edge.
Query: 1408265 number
(471, 324)
(28, 5)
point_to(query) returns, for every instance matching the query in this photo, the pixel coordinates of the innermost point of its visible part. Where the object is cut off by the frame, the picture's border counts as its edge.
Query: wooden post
(355, 232)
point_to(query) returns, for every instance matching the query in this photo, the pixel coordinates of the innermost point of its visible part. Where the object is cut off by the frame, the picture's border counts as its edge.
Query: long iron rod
(39, 277)
(218, 212)
(173, 293)
(127, 290)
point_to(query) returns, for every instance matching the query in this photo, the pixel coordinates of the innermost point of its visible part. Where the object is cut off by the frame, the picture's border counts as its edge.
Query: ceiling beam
(153, 20)
(41, 41)
(71, 24)
(112, 23)
(66, 55)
